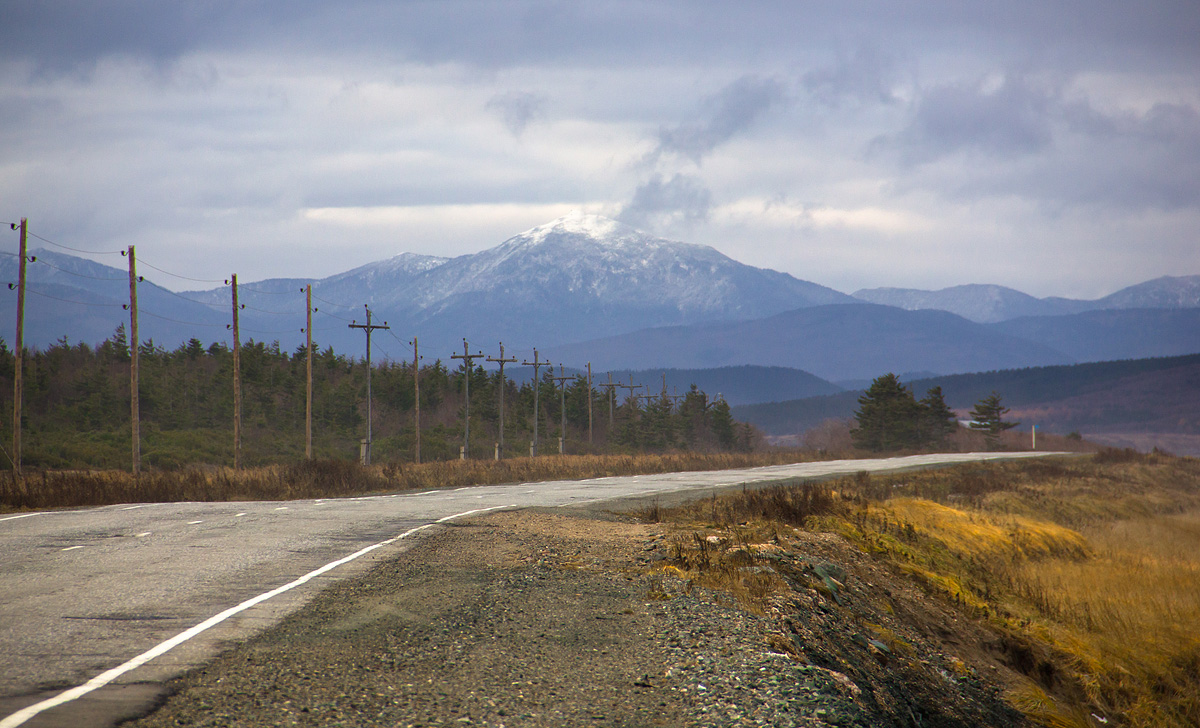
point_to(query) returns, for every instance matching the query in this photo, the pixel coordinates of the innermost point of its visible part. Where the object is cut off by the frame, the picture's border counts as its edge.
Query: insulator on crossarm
(33, 259)
(141, 279)
(125, 306)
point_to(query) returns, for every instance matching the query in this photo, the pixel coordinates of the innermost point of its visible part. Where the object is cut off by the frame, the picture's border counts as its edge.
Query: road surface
(99, 606)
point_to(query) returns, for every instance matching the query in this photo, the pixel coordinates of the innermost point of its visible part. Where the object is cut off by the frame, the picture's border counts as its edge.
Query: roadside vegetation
(76, 409)
(335, 478)
(1086, 569)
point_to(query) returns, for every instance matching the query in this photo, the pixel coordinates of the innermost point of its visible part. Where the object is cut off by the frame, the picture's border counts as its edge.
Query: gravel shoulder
(555, 618)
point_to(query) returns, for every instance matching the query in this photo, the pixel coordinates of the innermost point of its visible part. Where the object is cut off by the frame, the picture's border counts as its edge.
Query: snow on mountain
(974, 302)
(593, 260)
(1165, 292)
(992, 304)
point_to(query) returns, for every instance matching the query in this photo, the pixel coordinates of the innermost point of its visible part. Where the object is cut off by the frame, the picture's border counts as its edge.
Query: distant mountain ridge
(992, 304)
(1155, 395)
(586, 288)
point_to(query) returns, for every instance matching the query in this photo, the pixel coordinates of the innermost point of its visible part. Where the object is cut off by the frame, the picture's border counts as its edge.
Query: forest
(76, 410)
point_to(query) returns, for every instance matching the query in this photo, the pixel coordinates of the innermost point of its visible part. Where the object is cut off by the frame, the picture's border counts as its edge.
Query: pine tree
(937, 420)
(887, 416)
(988, 418)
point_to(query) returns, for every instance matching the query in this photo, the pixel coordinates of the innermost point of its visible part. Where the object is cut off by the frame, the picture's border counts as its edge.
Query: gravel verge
(540, 618)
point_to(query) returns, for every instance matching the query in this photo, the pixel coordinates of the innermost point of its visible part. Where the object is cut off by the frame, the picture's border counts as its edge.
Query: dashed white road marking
(142, 535)
(282, 508)
(72, 548)
(22, 515)
(239, 515)
(105, 678)
(132, 508)
(193, 523)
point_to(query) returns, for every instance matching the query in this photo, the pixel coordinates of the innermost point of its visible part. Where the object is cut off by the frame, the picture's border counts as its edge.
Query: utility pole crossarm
(368, 327)
(537, 364)
(467, 358)
(503, 385)
(562, 380)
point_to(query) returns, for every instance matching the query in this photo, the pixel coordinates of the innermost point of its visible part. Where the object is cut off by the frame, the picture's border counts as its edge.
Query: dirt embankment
(544, 619)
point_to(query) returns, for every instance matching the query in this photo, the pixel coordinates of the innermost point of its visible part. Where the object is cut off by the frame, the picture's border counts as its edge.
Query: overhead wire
(67, 300)
(176, 321)
(176, 275)
(76, 250)
(73, 273)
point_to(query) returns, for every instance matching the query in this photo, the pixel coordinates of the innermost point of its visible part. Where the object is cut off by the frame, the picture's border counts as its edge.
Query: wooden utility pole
(631, 387)
(467, 358)
(365, 452)
(237, 380)
(589, 393)
(611, 386)
(19, 353)
(562, 428)
(308, 389)
(134, 356)
(503, 385)
(537, 385)
(417, 387)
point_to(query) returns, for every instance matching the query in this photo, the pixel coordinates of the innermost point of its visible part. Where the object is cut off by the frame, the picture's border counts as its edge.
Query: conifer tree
(988, 418)
(937, 420)
(887, 416)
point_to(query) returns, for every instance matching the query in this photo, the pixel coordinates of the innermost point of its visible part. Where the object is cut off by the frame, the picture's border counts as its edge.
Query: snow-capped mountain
(575, 278)
(991, 304)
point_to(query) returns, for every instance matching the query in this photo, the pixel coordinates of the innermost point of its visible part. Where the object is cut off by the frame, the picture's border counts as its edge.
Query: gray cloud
(1047, 147)
(723, 115)
(865, 77)
(1014, 118)
(681, 199)
(517, 109)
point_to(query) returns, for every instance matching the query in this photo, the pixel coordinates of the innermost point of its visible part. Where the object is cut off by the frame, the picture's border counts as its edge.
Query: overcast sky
(1049, 146)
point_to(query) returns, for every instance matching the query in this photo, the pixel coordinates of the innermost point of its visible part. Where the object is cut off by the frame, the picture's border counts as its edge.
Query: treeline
(76, 409)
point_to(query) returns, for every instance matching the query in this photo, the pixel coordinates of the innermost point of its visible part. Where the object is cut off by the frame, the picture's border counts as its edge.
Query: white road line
(132, 508)
(282, 508)
(23, 515)
(193, 523)
(239, 515)
(105, 678)
(143, 534)
(72, 548)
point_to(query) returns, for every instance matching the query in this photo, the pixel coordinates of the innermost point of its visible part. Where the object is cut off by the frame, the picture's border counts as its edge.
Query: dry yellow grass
(1097, 561)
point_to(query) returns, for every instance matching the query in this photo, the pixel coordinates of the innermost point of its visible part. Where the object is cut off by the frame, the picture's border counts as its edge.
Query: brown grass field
(332, 478)
(1091, 564)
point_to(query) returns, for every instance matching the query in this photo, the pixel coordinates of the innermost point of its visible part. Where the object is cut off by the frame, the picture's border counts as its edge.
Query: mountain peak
(579, 223)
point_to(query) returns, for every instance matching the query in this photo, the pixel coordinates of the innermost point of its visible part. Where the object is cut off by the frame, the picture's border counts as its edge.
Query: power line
(270, 293)
(67, 300)
(273, 313)
(331, 303)
(331, 315)
(190, 300)
(73, 273)
(176, 275)
(78, 250)
(175, 321)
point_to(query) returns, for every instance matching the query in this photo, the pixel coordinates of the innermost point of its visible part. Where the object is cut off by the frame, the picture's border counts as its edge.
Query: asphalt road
(99, 606)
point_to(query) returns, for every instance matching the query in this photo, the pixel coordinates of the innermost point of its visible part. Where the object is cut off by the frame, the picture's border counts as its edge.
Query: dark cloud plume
(518, 109)
(1024, 139)
(723, 115)
(1014, 118)
(866, 77)
(680, 199)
